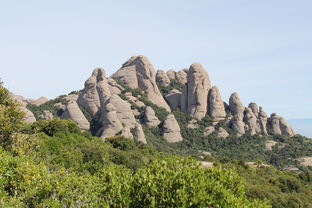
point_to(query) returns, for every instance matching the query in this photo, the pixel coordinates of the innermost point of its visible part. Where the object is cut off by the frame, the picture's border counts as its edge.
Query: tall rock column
(95, 93)
(263, 120)
(215, 104)
(237, 110)
(198, 85)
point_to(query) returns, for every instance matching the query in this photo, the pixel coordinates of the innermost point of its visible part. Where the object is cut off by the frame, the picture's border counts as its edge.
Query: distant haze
(260, 49)
(302, 126)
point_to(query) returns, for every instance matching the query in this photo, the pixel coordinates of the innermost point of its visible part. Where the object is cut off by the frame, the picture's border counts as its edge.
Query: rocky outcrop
(274, 124)
(123, 111)
(39, 101)
(111, 123)
(254, 108)
(251, 121)
(174, 99)
(47, 115)
(236, 105)
(181, 76)
(74, 113)
(171, 130)
(162, 78)
(215, 104)
(150, 118)
(140, 137)
(28, 115)
(262, 121)
(222, 133)
(171, 74)
(198, 85)
(286, 128)
(95, 93)
(237, 124)
(114, 88)
(209, 130)
(138, 72)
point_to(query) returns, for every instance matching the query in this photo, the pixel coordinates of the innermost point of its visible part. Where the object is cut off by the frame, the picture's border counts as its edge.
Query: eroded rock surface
(171, 130)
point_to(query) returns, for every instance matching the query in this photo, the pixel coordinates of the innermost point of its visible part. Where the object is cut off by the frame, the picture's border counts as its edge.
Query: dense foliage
(54, 164)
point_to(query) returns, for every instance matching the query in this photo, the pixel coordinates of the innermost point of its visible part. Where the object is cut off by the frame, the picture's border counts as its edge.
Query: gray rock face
(222, 133)
(236, 105)
(184, 99)
(215, 104)
(111, 123)
(209, 130)
(254, 108)
(29, 116)
(181, 76)
(114, 88)
(251, 121)
(286, 128)
(47, 115)
(40, 101)
(74, 113)
(263, 120)
(138, 72)
(123, 111)
(274, 123)
(171, 130)
(171, 74)
(174, 99)
(237, 124)
(95, 93)
(162, 78)
(198, 85)
(140, 137)
(150, 118)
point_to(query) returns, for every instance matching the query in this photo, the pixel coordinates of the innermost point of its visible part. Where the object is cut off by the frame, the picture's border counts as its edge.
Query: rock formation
(174, 99)
(222, 133)
(171, 74)
(263, 120)
(150, 118)
(114, 88)
(74, 113)
(140, 137)
(215, 104)
(162, 78)
(181, 76)
(89, 98)
(123, 111)
(116, 108)
(286, 128)
(274, 123)
(209, 130)
(251, 121)
(237, 124)
(29, 116)
(111, 123)
(39, 101)
(254, 108)
(198, 85)
(171, 130)
(138, 72)
(236, 105)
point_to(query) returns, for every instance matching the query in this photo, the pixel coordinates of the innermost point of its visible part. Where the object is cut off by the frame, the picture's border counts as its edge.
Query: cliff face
(118, 111)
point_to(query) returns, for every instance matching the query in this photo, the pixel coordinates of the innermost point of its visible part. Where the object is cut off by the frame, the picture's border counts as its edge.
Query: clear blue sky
(260, 49)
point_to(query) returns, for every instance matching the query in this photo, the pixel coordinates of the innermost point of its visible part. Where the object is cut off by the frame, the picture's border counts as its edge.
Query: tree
(11, 117)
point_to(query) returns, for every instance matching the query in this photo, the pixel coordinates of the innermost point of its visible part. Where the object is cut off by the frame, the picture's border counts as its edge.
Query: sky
(260, 49)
